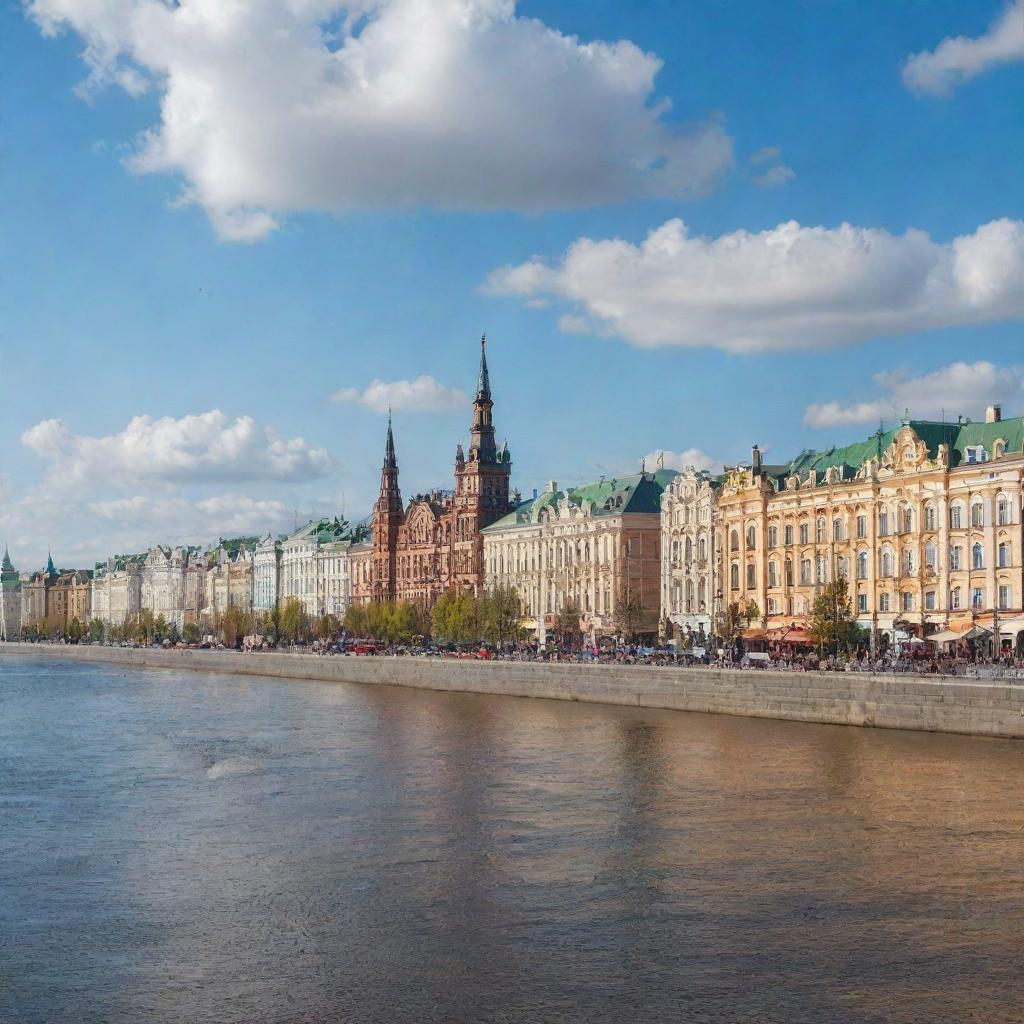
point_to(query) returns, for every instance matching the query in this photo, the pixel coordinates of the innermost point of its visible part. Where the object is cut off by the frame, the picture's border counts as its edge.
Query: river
(180, 847)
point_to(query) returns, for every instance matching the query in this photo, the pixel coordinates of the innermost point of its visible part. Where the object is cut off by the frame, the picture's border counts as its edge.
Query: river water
(203, 848)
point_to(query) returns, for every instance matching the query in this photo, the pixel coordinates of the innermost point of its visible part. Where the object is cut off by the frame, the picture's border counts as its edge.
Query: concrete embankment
(972, 707)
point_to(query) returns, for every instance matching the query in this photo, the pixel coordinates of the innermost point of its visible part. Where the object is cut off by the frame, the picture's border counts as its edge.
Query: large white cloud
(959, 58)
(787, 288)
(203, 447)
(423, 394)
(960, 388)
(270, 106)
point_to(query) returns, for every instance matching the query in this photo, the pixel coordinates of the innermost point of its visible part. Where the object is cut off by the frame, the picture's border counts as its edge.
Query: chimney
(755, 460)
(535, 494)
(994, 414)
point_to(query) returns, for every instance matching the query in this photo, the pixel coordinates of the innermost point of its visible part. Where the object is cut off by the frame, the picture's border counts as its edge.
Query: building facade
(163, 582)
(70, 598)
(333, 579)
(923, 521)
(35, 592)
(597, 546)
(117, 589)
(266, 573)
(229, 577)
(690, 572)
(434, 544)
(302, 564)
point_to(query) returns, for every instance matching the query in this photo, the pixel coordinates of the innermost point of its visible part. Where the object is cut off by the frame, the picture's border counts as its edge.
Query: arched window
(954, 598)
(1004, 555)
(862, 565)
(773, 573)
(1002, 510)
(955, 517)
(929, 517)
(750, 577)
(702, 549)
(977, 557)
(689, 550)
(887, 563)
(734, 541)
(734, 577)
(751, 537)
(931, 556)
(820, 530)
(837, 529)
(998, 450)
(908, 520)
(883, 523)
(909, 562)
(883, 602)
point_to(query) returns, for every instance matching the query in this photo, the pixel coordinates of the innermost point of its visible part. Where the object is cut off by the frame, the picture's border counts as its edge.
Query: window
(1004, 555)
(883, 523)
(883, 602)
(773, 606)
(978, 598)
(998, 450)
(929, 517)
(976, 453)
(788, 535)
(843, 567)
(734, 577)
(1005, 596)
(977, 557)
(977, 514)
(955, 558)
(819, 531)
(750, 577)
(820, 570)
(805, 533)
(908, 520)
(773, 536)
(789, 572)
(805, 572)
(751, 537)
(862, 527)
(908, 602)
(929, 600)
(837, 529)
(954, 598)
(862, 602)
(954, 517)
(887, 563)
(931, 556)
(909, 562)
(734, 541)
(1003, 511)
(862, 565)
(773, 574)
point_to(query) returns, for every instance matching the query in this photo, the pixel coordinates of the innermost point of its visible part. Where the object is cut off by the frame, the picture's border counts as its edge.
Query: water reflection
(189, 848)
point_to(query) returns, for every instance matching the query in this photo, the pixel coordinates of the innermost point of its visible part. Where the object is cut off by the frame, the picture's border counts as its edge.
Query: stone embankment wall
(973, 707)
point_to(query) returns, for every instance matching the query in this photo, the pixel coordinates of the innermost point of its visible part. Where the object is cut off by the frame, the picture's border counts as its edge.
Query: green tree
(501, 615)
(144, 625)
(327, 626)
(294, 622)
(567, 624)
(75, 630)
(628, 616)
(96, 630)
(832, 624)
(357, 620)
(160, 628)
(751, 611)
(190, 633)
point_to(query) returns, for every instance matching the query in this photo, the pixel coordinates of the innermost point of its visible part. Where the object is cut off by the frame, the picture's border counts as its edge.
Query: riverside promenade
(970, 707)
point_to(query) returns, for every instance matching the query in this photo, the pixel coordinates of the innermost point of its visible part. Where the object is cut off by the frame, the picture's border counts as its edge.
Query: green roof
(640, 493)
(958, 436)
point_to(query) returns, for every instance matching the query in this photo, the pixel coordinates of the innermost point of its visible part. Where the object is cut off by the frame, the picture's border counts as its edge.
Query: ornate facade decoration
(690, 574)
(117, 589)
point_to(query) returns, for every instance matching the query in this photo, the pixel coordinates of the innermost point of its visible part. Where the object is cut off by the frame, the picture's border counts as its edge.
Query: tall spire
(390, 462)
(50, 570)
(483, 382)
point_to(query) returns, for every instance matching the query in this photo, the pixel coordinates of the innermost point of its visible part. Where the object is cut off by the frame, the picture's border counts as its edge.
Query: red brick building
(434, 544)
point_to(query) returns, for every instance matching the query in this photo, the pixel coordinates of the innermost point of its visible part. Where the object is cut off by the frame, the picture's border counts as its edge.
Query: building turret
(481, 442)
(387, 518)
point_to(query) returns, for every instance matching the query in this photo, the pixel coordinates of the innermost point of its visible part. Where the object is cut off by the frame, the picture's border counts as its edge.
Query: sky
(233, 232)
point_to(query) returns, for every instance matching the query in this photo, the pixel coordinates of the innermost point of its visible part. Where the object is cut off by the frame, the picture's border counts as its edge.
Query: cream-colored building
(117, 589)
(924, 521)
(333, 582)
(689, 553)
(598, 546)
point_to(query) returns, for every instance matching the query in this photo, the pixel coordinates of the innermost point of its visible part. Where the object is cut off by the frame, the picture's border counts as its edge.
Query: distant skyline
(232, 235)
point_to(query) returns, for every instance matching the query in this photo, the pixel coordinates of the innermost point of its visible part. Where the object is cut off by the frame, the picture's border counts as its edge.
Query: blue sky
(259, 276)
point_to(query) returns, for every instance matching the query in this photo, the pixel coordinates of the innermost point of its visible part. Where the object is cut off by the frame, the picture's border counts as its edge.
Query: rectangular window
(1005, 596)
(789, 535)
(862, 527)
(977, 515)
(773, 536)
(805, 572)
(929, 600)
(954, 558)
(954, 517)
(750, 577)
(908, 602)
(978, 598)
(883, 524)
(805, 533)
(883, 602)
(1004, 556)
(862, 603)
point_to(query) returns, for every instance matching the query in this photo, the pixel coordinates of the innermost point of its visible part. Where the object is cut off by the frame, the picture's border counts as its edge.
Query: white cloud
(424, 394)
(765, 155)
(202, 447)
(960, 388)
(959, 58)
(774, 176)
(269, 106)
(790, 287)
(691, 457)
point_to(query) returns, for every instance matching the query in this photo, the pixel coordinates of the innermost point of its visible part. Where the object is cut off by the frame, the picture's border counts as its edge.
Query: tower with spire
(387, 520)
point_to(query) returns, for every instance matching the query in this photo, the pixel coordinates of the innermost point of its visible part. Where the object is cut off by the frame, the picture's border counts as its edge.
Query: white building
(689, 553)
(333, 578)
(266, 574)
(301, 565)
(163, 583)
(117, 589)
(10, 599)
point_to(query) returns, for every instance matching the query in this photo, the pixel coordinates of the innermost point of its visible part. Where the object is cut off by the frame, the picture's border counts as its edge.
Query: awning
(1009, 627)
(753, 634)
(945, 637)
(975, 633)
(798, 636)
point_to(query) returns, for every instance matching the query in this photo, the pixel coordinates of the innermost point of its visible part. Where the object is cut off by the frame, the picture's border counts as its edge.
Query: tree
(455, 617)
(190, 633)
(501, 615)
(75, 630)
(327, 626)
(160, 628)
(628, 615)
(730, 619)
(294, 621)
(567, 624)
(357, 620)
(751, 611)
(234, 624)
(96, 630)
(832, 624)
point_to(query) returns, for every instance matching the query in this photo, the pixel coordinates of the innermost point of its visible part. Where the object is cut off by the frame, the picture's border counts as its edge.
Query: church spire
(483, 381)
(390, 462)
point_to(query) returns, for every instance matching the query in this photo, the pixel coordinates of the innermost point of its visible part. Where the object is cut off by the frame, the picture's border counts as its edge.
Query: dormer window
(976, 453)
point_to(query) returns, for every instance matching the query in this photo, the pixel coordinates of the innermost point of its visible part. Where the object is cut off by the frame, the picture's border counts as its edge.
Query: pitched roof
(607, 496)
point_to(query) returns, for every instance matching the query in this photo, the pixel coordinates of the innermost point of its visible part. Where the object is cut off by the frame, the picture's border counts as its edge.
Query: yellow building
(924, 521)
